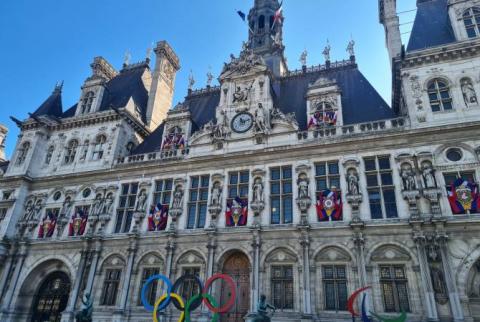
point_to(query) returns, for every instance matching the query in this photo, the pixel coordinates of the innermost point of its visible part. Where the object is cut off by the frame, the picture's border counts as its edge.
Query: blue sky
(52, 40)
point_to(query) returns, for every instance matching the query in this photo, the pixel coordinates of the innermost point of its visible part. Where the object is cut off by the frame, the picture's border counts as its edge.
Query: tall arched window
(99, 147)
(71, 151)
(87, 102)
(261, 22)
(471, 19)
(22, 153)
(439, 95)
(49, 155)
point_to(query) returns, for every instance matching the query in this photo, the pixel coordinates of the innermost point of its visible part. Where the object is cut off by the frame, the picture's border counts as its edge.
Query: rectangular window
(151, 292)
(197, 202)
(394, 285)
(238, 185)
(281, 195)
(381, 191)
(110, 287)
(3, 213)
(450, 179)
(335, 287)
(126, 207)
(189, 287)
(327, 177)
(282, 287)
(163, 192)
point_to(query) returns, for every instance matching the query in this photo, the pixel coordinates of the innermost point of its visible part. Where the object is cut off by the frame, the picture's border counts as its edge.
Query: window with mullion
(197, 205)
(335, 287)
(189, 286)
(327, 177)
(3, 213)
(439, 95)
(126, 207)
(163, 192)
(151, 293)
(471, 19)
(282, 287)
(381, 191)
(281, 195)
(238, 185)
(394, 286)
(110, 287)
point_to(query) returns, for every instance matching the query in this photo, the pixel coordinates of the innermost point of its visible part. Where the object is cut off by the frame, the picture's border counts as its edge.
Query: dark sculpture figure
(263, 315)
(86, 309)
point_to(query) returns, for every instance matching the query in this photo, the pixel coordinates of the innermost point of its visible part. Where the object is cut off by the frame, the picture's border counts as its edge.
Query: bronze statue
(86, 309)
(263, 315)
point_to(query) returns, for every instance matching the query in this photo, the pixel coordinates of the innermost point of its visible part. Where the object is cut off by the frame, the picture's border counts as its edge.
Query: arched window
(52, 297)
(87, 102)
(99, 147)
(71, 151)
(86, 144)
(272, 20)
(49, 155)
(439, 95)
(261, 22)
(471, 19)
(22, 153)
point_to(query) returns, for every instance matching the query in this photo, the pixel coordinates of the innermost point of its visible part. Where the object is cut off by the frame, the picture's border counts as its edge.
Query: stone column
(7, 266)
(429, 305)
(359, 241)
(14, 280)
(69, 312)
(212, 246)
(170, 248)
(455, 305)
(132, 249)
(93, 266)
(307, 302)
(255, 292)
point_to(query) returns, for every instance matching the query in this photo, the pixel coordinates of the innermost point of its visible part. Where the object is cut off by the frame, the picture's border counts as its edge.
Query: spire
(53, 104)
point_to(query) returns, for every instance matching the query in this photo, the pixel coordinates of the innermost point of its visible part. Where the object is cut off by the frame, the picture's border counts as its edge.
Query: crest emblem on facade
(463, 197)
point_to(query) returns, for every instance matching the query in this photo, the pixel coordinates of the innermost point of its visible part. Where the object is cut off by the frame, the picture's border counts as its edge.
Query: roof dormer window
(22, 153)
(71, 151)
(87, 102)
(439, 95)
(471, 19)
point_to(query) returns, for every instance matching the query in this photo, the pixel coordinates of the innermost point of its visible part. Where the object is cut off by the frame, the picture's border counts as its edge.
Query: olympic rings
(160, 300)
(165, 279)
(233, 295)
(194, 302)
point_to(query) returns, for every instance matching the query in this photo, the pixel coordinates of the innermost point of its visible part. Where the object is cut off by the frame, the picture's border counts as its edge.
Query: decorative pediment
(331, 254)
(281, 255)
(247, 63)
(390, 253)
(190, 258)
(151, 259)
(115, 261)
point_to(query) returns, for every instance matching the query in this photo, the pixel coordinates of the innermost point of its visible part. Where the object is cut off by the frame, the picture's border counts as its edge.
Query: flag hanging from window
(158, 217)
(78, 223)
(47, 226)
(329, 205)
(464, 197)
(237, 212)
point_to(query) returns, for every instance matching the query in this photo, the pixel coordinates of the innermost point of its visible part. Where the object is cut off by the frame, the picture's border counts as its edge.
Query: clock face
(242, 122)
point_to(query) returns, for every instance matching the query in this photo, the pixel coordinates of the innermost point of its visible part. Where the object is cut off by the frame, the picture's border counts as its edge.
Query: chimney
(163, 84)
(390, 21)
(3, 137)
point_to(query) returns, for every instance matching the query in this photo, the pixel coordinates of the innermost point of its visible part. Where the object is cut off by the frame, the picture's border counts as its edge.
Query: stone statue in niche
(408, 177)
(428, 175)
(262, 119)
(438, 284)
(29, 211)
(108, 206)
(468, 91)
(66, 207)
(38, 209)
(240, 95)
(303, 188)
(257, 190)
(142, 202)
(352, 181)
(177, 198)
(216, 194)
(219, 131)
(97, 206)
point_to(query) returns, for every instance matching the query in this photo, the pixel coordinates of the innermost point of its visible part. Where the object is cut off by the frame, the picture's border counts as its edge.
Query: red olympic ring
(233, 296)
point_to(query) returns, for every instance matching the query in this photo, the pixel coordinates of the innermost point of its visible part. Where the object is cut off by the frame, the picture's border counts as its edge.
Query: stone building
(303, 185)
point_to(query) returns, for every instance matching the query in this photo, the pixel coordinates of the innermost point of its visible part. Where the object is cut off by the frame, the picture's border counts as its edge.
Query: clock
(242, 122)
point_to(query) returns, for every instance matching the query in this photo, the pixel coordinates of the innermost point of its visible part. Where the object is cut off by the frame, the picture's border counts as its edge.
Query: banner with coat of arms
(78, 223)
(158, 217)
(47, 226)
(464, 197)
(329, 205)
(237, 212)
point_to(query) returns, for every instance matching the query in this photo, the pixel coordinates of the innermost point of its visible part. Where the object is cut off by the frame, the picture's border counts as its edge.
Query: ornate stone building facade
(302, 185)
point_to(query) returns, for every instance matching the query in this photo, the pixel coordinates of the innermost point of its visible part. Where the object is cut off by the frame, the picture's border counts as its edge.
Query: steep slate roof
(152, 143)
(52, 106)
(432, 26)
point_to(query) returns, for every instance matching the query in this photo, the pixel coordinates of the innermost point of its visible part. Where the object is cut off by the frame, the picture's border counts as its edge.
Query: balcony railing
(161, 156)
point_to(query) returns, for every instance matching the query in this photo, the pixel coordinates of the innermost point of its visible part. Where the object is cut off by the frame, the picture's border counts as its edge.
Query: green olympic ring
(195, 298)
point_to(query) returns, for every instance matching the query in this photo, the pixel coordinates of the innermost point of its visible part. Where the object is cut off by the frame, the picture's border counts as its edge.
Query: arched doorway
(473, 291)
(237, 266)
(52, 298)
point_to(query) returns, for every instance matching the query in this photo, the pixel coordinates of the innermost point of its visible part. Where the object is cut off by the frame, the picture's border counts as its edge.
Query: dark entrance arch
(52, 298)
(237, 266)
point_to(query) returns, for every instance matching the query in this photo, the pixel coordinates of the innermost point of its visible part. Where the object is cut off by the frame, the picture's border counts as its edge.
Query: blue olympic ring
(165, 303)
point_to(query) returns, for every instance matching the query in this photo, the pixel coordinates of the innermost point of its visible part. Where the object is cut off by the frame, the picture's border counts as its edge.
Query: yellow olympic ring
(160, 300)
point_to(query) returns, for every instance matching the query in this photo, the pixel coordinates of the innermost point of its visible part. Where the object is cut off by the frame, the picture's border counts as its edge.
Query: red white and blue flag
(464, 197)
(278, 15)
(158, 217)
(237, 212)
(78, 223)
(329, 205)
(47, 226)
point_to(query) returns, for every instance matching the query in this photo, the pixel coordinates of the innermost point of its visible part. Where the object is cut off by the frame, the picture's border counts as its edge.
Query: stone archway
(51, 298)
(237, 266)
(473, 291)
